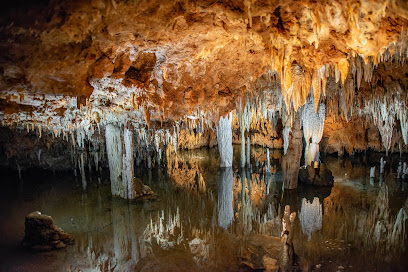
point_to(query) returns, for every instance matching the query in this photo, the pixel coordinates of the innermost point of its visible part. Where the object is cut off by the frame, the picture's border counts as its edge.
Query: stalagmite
(225, 197)
(291, 160)
(114, 151)
(127, 172)
(311, 216)
(313, 124)
(224, 138)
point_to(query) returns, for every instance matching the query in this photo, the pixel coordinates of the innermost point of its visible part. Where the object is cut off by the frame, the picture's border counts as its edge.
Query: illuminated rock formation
(224, 138)
(291, 160)
(171, 69)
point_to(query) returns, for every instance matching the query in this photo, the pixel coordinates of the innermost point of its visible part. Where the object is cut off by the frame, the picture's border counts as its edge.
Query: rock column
(291, 160)
(224, 138)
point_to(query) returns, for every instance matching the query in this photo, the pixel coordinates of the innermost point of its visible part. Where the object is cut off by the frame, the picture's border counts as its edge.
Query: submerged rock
(41, 234)
(316, 176)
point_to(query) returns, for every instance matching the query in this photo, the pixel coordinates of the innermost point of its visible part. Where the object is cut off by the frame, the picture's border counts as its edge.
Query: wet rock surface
(316, 176)
(41, 234)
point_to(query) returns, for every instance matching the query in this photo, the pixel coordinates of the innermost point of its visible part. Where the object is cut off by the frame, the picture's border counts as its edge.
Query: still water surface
(204, 218)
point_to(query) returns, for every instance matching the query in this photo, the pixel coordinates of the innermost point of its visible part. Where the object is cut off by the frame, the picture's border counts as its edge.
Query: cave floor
(196, 224)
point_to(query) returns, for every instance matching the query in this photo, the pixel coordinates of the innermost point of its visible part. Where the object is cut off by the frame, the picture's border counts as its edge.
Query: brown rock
(41, 234)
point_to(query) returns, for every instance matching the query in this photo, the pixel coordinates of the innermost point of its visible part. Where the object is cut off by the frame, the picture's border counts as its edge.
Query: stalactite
(114, 151)
(242, 130)
(285, 134)
(403, 117)
(224, 138)
(372, 172)
(313, 124)
(127, 172)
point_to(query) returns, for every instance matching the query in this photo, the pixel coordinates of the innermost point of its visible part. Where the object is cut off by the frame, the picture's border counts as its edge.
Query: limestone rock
(141, 189)
(41, 234)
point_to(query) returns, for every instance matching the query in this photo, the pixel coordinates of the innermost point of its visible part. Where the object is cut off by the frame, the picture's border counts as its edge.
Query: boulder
(316, 176)
(41, 234)
(142, 190)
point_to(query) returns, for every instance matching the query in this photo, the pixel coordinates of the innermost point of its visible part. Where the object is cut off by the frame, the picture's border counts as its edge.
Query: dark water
(209, 219)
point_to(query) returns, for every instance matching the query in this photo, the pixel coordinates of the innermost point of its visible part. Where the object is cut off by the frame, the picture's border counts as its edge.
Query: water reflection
(207, 219)
(310, 216)
(225, 197)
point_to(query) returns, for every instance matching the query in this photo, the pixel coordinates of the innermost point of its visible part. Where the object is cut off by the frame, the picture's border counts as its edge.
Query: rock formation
(76, 73)
(41, 234)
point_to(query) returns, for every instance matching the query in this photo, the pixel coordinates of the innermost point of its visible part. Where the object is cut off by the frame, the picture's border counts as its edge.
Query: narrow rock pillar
(224, 138)
(128, 171)
(114, 151)
(291, 160)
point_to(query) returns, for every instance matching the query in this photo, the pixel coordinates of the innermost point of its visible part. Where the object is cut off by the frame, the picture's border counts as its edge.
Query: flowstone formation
(128, 82)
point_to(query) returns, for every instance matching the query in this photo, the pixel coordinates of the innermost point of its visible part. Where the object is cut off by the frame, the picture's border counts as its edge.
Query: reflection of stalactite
(384, 233)
(225, 198)
(120, 233)
(311, 216)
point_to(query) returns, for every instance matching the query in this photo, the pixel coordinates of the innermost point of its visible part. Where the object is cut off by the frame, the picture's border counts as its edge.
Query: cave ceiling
(65, 64)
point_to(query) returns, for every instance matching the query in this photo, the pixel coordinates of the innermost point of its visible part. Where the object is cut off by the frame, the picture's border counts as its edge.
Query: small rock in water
(41, 234)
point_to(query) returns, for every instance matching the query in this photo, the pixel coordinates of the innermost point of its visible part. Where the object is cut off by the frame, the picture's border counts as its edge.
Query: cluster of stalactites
(313, 125)
(296, 81)
(384, 112)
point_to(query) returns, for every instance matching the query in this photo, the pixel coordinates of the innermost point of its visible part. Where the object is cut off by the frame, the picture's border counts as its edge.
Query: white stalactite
(127, 172)
(313, 125)
(224, 138)
(372, 172)
(285, 133)
(114, 151)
